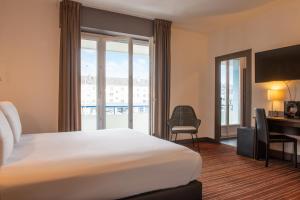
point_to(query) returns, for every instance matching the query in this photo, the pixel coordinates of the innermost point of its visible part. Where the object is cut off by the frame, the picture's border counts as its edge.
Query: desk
(281, 125)
(284, 125)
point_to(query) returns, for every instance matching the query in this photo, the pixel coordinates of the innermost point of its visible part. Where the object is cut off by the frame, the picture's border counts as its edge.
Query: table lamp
(275, 95)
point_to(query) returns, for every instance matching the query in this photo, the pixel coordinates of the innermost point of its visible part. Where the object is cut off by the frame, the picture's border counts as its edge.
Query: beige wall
(29, 56)
(272, 26)
(189, 60)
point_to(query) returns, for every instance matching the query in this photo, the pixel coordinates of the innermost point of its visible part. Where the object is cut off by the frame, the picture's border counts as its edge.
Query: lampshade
(276, 95)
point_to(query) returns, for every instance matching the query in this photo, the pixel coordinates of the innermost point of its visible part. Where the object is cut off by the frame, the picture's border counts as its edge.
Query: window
(89, 93)
(115, 83)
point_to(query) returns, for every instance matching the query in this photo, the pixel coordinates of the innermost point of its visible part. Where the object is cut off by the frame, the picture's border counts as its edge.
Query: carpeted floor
(229, 176)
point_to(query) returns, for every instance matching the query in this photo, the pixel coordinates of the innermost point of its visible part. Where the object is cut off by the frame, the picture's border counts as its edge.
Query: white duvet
(107, 164)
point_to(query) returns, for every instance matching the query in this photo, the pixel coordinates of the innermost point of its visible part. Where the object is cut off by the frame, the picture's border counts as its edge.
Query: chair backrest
(262, 126)
(183, 116)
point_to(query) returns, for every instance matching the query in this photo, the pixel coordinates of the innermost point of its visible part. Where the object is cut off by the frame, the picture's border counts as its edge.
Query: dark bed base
(192, 191)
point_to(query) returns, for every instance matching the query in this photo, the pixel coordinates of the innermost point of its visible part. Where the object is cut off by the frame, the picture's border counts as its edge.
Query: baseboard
(202, 139)
(228, 138)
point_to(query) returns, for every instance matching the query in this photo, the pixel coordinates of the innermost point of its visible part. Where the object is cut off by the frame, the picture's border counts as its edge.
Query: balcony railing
(115, 109)
(116, 117)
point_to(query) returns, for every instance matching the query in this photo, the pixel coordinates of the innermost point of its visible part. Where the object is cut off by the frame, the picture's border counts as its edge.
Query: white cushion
(6, 139)
(183, 128)
(12, 116)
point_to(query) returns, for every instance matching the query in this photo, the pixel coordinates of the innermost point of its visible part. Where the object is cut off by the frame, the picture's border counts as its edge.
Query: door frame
(246, 87)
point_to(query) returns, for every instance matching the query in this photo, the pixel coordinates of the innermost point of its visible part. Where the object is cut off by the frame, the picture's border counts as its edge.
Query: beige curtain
(162, 40)
(69, 118)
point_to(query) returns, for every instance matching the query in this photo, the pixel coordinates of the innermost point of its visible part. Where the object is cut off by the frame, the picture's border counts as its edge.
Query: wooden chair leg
(267, 155)
(175, 137)
(282, 151)
(295, 153)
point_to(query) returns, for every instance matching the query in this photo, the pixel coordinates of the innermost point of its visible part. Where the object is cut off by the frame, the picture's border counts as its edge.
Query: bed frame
(191, 191)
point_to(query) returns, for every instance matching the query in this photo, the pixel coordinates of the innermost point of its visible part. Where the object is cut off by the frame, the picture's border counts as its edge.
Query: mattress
(105, 164)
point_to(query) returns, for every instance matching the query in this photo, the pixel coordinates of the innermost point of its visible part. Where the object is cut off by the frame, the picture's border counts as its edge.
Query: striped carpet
(229, 176)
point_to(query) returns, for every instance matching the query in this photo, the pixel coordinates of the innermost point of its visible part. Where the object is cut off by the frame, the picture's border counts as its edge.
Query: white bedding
(108, 164)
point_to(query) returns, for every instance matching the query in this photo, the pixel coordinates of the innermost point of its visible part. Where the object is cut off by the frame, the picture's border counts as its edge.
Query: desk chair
(184, 121)
(264, 136)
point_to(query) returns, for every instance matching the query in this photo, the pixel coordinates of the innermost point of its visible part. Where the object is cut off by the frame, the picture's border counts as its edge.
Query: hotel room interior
(149, 99)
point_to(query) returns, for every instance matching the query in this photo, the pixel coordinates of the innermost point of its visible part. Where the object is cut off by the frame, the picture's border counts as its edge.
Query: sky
(117, 64)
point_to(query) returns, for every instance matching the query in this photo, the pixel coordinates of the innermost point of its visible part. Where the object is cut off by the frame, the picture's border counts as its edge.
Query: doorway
(233, 94)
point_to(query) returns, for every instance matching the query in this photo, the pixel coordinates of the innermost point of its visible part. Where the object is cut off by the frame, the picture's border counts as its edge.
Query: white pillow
(12, 116)
(6, 139)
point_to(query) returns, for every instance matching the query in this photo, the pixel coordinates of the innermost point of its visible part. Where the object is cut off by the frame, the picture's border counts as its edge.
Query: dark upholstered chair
(184, 120)
(264, 136)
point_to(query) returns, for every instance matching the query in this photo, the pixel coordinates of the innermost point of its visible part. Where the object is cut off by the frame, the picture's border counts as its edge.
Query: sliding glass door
(119, 95)
(89, 84)
(140, 85)
(116, 84)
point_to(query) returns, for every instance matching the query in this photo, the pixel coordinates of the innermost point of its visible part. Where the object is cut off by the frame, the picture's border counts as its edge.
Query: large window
(141, 82)
(115, 83)
(89, 86)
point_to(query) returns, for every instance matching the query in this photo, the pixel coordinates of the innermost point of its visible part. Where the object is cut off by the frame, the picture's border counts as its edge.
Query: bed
(104, 164)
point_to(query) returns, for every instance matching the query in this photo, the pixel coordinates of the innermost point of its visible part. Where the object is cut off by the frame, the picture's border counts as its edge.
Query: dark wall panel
(95, 20)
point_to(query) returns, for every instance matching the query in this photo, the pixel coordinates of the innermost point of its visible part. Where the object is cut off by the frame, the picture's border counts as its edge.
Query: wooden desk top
(295, 120)
(283, 121)
(284, 125)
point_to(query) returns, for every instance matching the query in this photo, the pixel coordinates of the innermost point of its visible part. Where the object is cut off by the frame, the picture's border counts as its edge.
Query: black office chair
(264, 136)
(184, 120)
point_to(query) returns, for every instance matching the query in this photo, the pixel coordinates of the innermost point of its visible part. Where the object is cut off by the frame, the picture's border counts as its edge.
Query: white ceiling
(181, 12)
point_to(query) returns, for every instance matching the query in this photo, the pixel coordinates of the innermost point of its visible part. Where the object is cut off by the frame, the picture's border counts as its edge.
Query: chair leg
(175, 137)
(198, 145)
(193, 140)
(267, 155)
(256, 149)
(295, 153)
(282, 151)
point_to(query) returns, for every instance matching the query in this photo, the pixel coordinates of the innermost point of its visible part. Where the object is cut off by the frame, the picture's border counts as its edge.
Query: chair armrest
(170, 123)
(197, 123)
